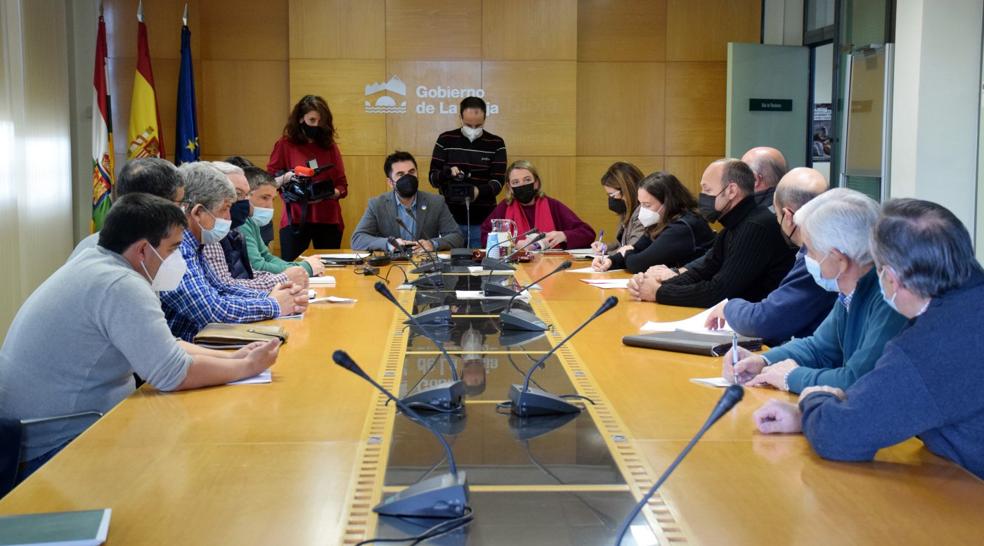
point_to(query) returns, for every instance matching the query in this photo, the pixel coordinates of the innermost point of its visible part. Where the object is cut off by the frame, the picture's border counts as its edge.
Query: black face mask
(314, 132)
(525, 193)
(616, 205)
(705, 203)
(788, 238)
(406, 186)
(239, 213)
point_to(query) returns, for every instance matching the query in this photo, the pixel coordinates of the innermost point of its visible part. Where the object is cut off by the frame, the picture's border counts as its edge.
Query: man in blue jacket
(927, 382)
(798, 306)
(836, 227)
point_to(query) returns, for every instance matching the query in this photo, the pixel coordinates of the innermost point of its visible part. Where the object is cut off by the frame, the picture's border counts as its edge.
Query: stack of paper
(333, 299)
(479, 270)
(265, 376)
(607, 283)
(479, 295)
(693, 324)
(324, 280)
(589, 269)
(719, 382)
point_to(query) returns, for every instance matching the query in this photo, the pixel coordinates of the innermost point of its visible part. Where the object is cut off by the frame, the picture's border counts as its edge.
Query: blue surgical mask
(888, 300)
(813, 266)
(218, 231)
(262, 216)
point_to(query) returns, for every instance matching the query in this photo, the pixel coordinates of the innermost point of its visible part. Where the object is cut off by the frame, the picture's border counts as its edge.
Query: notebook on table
(235, 336)
(82, 528)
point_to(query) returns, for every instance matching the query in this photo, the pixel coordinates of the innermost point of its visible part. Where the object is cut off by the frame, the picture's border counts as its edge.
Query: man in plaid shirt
(201, 297)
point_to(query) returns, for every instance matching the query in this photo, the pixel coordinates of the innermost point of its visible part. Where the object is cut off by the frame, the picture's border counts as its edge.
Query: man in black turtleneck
(749, 257)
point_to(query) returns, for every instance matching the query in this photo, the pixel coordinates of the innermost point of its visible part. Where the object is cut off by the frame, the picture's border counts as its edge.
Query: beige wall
(580, 84)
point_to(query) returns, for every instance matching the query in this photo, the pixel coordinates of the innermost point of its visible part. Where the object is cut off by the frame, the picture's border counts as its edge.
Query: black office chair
(11, 435)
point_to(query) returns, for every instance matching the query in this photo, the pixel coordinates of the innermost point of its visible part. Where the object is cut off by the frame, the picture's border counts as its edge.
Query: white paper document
(719, 382)
(326, 280)
(479, 270)
(589, 269)
(265, 376)
(582, 252)
(479, 295)
(350, 256)
(607, 283)
(693, 324)
(333, 299)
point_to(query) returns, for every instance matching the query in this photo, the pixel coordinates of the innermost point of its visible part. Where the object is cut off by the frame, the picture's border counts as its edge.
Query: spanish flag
(145, 122)
(102, 134)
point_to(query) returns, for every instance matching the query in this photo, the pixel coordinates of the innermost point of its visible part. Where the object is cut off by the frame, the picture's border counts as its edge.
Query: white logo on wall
(386, 104)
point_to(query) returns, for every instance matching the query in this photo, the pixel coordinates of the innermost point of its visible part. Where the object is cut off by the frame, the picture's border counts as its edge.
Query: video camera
(460, 189)
(302, 189)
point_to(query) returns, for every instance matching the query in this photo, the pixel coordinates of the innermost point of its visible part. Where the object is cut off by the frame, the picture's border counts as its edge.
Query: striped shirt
(201, 298)
(484, 159)
(261, 280)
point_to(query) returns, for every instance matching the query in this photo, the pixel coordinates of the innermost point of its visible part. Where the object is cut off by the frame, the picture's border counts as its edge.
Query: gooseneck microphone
(732, 395)
(496, 263)
(444, 496)
(518, 319)
(435, 264)
(445, 397)
(528, 401)
(495, 289)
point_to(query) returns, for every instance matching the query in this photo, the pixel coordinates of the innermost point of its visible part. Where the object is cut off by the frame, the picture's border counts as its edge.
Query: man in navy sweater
(798, 306)
(927, 382)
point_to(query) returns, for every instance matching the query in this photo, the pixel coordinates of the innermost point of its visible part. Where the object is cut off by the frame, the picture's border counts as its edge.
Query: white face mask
(170, 273)
(649, 218)
(471, 133)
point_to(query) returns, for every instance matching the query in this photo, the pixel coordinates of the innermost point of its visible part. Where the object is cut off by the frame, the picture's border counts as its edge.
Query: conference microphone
(518, 319)
(444, 397)
(444, 496)
(732, 395)
(424, 282)
(495, 289)
(528, 401)
(435, 265)
(495, 263)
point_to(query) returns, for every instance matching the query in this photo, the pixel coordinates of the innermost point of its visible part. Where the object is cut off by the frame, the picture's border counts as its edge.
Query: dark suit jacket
(434, 222)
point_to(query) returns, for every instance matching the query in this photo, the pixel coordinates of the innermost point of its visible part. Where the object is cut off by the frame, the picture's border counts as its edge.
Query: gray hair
(769, 169)
(926, 245)
(205, 185)
(840, 219)
(226, 168)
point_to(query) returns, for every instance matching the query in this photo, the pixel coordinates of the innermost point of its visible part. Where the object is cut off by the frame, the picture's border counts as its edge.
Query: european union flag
(186, 145)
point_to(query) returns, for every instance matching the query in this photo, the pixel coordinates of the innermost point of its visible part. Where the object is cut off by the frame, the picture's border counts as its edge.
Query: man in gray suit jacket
(414, 218)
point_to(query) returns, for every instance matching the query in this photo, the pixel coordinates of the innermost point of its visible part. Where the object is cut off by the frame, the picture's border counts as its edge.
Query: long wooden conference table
(302, 460)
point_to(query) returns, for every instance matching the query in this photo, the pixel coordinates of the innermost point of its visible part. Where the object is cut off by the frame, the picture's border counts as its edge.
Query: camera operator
(468, 167)
(309, 141)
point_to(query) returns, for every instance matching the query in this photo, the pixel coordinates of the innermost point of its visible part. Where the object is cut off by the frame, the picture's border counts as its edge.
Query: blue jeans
(472, 235)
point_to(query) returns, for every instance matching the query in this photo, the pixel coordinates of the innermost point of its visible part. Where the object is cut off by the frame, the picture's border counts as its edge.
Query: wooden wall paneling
(620, 109)
(365, 181)
(592, 201)
(416, 132)
(342, 84)
(537, 105)
(689, 169)
(695, 108)
(246, 105)
(163, 20)
(524, 30)
(623, 30)
(699, 30)
(433, 29)
(244, 29)
(337, 29)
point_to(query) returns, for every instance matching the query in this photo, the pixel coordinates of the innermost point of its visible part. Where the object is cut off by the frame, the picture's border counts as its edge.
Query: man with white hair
(836, 227)
(769, 166)
(927, 382)
(201, 298)
(228, 258)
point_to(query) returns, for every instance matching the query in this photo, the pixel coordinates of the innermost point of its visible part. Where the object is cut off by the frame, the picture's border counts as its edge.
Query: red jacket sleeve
(341, 183)
(277, 162)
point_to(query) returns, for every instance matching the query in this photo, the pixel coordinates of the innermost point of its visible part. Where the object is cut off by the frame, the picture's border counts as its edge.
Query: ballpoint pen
(734, 355)
(604, 247)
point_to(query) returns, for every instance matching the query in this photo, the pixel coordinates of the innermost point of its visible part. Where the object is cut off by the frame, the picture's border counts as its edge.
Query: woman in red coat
(309, 141)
